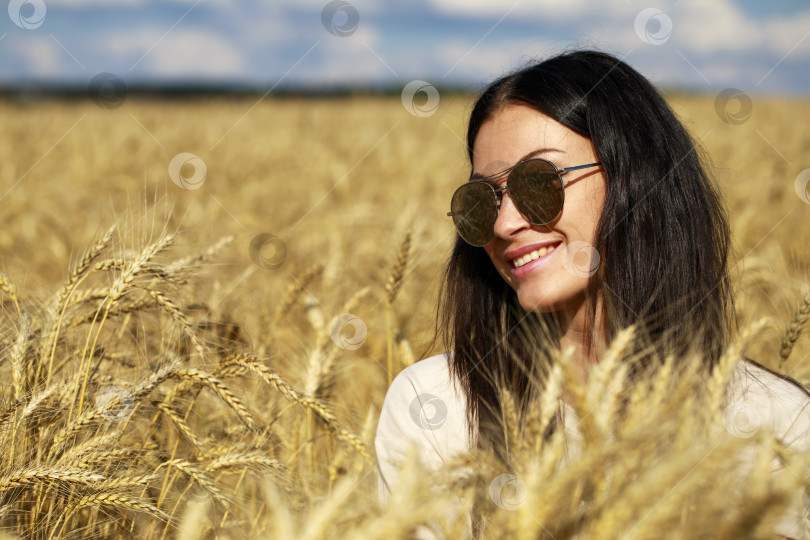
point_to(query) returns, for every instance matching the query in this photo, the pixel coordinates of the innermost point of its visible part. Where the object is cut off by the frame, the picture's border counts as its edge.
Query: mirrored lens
(537, 191)
(474, 213)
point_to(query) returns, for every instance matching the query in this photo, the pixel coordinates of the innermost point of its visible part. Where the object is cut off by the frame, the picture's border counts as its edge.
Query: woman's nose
(509, 219)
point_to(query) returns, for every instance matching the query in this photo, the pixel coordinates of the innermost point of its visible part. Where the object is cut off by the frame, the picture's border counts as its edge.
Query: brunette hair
(663, 237)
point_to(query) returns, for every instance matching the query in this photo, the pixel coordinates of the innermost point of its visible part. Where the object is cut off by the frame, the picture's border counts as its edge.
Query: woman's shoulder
(426, 384)
(771, 400)
(432, 373)
(424, 404)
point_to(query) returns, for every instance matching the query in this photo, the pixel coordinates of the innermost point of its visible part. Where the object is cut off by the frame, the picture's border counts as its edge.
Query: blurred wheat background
(159, 383)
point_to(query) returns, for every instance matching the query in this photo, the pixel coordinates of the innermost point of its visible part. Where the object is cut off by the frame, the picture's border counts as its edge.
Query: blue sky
(758, 46)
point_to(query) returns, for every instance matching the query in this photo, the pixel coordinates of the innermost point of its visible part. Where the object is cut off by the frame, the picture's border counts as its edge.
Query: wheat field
(170, 373)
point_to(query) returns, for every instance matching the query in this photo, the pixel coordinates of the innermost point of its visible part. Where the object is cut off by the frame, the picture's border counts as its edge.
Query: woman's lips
(532, 260)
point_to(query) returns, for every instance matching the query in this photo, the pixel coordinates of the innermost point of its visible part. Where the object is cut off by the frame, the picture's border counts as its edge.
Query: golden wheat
(159, 366)
(795, 327)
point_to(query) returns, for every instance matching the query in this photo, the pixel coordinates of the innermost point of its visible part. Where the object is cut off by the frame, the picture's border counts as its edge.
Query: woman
(587, 211)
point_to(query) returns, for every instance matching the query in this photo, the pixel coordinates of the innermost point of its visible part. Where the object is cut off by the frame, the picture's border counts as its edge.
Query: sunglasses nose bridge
(499, 193)
(507, 217)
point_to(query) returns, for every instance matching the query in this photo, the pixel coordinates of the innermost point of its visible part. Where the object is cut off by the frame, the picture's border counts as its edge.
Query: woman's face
(554, 261)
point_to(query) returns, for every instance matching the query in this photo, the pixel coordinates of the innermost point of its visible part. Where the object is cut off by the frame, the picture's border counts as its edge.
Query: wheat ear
(8, 287)
(121, 501)
(322, 358)
(38, 475)
(60, 302)
(294, 290)
(392, 287)
(200, 477)
(397, 276)
(794, 329)
(178, 315)
(724, 369)
(118, 289)
(221, 390)
(180, 424)
(286, 389)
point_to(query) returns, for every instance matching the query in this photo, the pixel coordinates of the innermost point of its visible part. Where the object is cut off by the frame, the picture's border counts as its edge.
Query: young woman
(587, 210)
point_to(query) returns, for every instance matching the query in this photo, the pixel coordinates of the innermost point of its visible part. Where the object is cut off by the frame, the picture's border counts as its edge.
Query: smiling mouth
(533, 256)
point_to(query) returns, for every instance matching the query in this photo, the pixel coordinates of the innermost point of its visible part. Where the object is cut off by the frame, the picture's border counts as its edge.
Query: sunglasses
(534, 185)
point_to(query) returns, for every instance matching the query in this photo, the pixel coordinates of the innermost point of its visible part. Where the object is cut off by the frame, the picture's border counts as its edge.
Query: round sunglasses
(534, 185)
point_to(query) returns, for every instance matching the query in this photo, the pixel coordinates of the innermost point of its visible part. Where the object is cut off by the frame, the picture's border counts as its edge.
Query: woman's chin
(549, 303)
(535, 304)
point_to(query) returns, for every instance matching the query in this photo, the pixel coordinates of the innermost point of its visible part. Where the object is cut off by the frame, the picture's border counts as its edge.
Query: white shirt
(424, 409)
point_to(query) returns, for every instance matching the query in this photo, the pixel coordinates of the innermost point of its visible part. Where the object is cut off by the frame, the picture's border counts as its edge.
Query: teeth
(534, 255)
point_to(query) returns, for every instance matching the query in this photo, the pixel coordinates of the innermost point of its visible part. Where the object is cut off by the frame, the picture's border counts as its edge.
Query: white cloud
(132, 42)
(789, 35)
(707, 28)
(180, 53)
(90, 3)
(484, 60)
(488, 60)
(41, 56)
(194, 53)
(710, 27)
(536, 9)
(353, 59)
(698, 26)
(80, 4)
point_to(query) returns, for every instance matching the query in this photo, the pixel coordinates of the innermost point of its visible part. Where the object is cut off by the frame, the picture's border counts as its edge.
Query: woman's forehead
(516, 132)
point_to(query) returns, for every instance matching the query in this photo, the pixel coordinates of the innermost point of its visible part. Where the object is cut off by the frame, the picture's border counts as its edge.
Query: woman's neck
(586, 336)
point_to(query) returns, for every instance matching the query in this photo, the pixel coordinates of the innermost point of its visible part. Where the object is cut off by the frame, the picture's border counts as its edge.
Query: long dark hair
(663, 237)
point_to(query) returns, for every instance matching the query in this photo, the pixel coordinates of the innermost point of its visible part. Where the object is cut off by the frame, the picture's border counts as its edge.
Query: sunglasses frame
(498, 192)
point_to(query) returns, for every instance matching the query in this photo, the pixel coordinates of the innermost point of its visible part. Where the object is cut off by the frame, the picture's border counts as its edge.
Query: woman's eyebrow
(533, 153)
